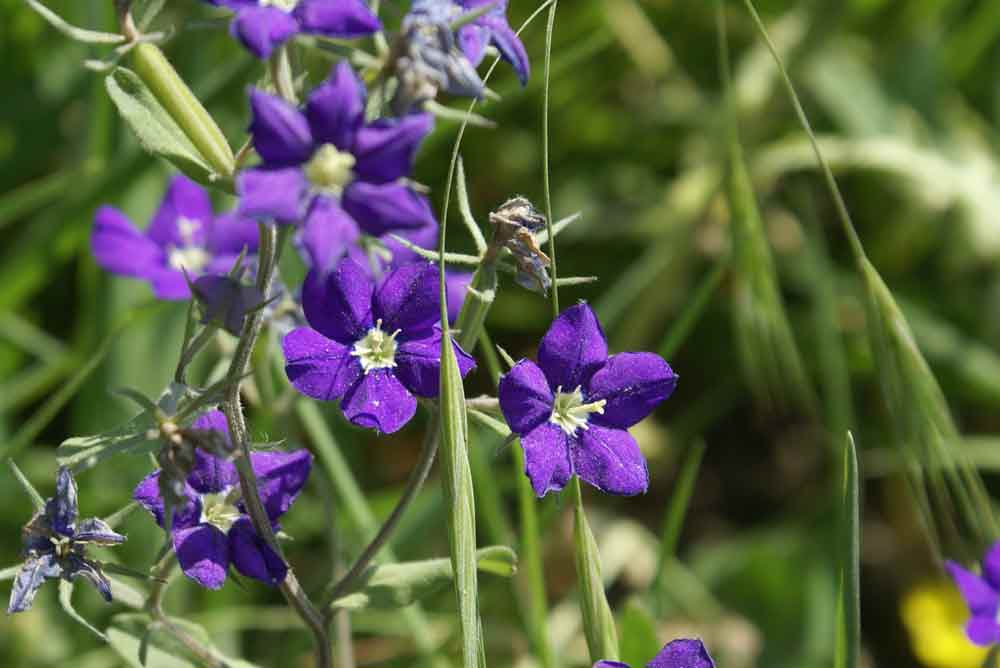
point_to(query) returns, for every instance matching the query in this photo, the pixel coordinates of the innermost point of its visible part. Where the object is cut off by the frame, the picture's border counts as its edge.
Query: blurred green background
(906, 101)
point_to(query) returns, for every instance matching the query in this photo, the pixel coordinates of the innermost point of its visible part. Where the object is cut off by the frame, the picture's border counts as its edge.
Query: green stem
(546, 187)
(162, 574)
(598, 622)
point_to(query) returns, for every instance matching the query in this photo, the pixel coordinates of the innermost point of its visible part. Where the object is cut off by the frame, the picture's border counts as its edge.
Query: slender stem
(162, 573)
(190, 350)
(546, 186)
(417, 479)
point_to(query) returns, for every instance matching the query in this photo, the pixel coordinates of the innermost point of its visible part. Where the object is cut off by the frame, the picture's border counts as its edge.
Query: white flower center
(219, 510)
(330, 170)
(192, 258)
(287, 5)
(569, 411)
(377, 350)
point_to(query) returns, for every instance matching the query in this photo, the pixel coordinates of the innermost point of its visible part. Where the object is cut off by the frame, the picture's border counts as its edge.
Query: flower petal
(212, 475)
(409, 299)
(633, 384)
(170, 284)
(120, 248)
(253, 557)
(77, 567)
(456, 287)
(95, 530)
(610, 460)
(510, 46)
(343, 18)
(419, 364)
(319, 367)
(340, 306)
(280, 132)
(263, 29)
(388, 207)
(546, 458)
(979, 596)
(335, 110)
(525, 397)
(147, 493)
(183, 216)
(203, 554)
(472, 40)
(379, 401)
(682, 653)
(611, 664)
(425, 236)
(61, 508)
(327, 234)
(385, 149)
(573, 348)
(280, 194)
(983, 631)
(230, 233)
(280, 478)
(29, 579)
(991, 566)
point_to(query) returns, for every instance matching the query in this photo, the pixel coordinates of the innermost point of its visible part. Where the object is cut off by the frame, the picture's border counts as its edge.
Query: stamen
(569, 411)
(330, 170)
(376, 350)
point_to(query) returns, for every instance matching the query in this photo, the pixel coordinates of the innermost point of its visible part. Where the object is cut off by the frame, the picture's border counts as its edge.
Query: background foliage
(905, 99)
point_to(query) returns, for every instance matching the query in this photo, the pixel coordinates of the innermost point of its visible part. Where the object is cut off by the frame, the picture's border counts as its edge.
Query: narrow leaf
(465, 208)
(66, 601)
(71, 31)
(673, 521)
(36, 499)
(848, 632)
(598, 622)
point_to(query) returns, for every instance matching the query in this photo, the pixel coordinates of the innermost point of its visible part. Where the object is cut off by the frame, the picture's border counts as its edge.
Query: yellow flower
(934, 615)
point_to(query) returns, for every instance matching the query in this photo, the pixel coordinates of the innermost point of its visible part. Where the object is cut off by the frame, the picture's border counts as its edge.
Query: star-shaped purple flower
(326, 167)
(982, 595)
(490, 28)
(573, 409)
(371, 347)
(263, 25)
(185, 235)
(682, 653)
(213, 529)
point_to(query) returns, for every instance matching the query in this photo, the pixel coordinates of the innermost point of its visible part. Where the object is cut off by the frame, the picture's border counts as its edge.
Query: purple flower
(982, 595)
(184, 235)
(490, 28)
(326, 167)
(263, 25)
(573, 409)
(372, 348)
(55, 545)
(212, 530)
(681, 653)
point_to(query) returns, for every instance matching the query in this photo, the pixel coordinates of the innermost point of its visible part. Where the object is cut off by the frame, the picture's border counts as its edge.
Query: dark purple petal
(335, 110)
(212, 475)
(147, 493)
(94, 530)
(979, 596)
(226, 301)
(120, 248)
(546, 458)
(472, 39)
(253, 557)
(29, 579)
(633, 384)
(409, 299)
(510, 46)
(75, 567)
(280, 132)
(573, 348)
(610, 460)
(418, 364)
(336, 18)
(230, 233)
(379, 401)
(983, 630)
(611, 664)
(280, 478)
(61, 508)
(389, 207)
(682, 653)
(991, 566)
(319, 367)
(385, 148)
(263, 29)
(214, 420)
(234, 4)
(203, 554)
(183, 216)
(456, 287)
(327, 234)
(170, 284)
(340, 306)
(525, 397)
(280, 194)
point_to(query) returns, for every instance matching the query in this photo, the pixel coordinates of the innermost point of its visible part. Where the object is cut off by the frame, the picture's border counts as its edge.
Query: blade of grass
(673, 521)
(848, 646)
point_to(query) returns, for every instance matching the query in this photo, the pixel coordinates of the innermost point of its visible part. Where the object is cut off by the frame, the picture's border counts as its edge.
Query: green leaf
(154, 127)
(673, 521)
(71, 31)
(398, 585)
(465, 208)
(145, 12)
(127, 647)
(598, 622)
(639, 641)
(66, 601)
(36, 499)
(848, 632)
(84, 452)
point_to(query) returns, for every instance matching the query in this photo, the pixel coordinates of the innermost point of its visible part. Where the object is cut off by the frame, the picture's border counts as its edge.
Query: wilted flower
(184, 236)
(514, 226)
(982, 595)
(211, 529)
(372, 349)
(263, 25)
(55, 546)
(226, 301)
(682, 653)
(573, 409)
(326, 167)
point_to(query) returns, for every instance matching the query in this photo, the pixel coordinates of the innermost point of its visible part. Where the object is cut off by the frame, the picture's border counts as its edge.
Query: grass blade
(679, 501)
(848, 647)
(598, 622)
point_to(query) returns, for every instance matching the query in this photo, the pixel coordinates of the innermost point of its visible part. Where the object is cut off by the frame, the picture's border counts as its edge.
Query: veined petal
(419, 364)
(682, 653)
(982, 599)
(510, 46)
(610, 460)
(120, 248)
(212, 475)
(280, 132)
(78, 567)
(262, 29)
(409, 300)
(343, 18)
(280, 477)
(546, 458)
(633, 384)
(525, 397)
(61, 508)
(29, 579)
(335, 110)
(573, 348)
(389, 207)
(379, 401)
(280, 194)
(184, 215)
(253, 557)
(147, 493)
(319, 367)
(385, 149)
(327, 234)
(95, 530)
(203, 554)
(339, 306)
